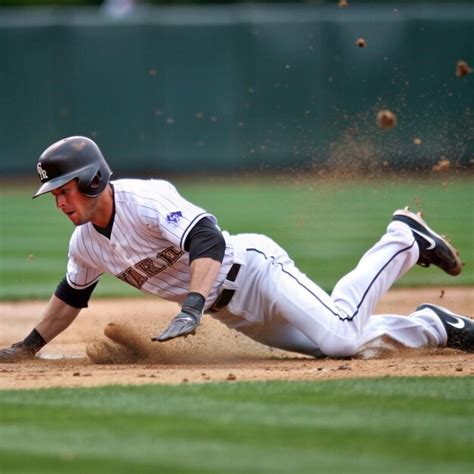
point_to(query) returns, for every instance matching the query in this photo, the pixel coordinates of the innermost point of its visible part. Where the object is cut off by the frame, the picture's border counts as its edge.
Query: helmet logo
(41, 172)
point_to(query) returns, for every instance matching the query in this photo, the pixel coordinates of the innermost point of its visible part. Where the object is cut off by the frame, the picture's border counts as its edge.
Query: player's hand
(16, 353)
(183, 324)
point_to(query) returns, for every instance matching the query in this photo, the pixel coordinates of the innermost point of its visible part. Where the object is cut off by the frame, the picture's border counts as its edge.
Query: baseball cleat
(434, 248)
(460, 329)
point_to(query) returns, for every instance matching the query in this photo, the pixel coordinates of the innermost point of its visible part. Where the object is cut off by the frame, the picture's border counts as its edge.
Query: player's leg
(429, 325)
(286, 293)
(334, 325)
(269, 288)
(358, 292)
(274, 288)
(420, 329)
(272, 291)
(338, 326)
(423, 328)
(282, 335)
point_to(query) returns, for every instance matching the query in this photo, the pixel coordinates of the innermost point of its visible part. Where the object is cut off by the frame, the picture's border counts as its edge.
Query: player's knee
(339, 347)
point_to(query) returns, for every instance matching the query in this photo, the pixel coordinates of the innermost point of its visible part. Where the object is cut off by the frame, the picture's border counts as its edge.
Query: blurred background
(265, 114)
(212, 87)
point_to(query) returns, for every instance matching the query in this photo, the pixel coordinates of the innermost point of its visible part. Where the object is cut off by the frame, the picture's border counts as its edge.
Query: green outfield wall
(224, 88)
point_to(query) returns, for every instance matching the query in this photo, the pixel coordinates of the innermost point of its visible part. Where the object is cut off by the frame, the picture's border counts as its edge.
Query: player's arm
(204, 272)
(206, 246)
(57, 317)
(60, 312)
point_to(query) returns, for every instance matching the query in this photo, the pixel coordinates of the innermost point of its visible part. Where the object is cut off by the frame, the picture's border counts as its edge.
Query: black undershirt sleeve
(205, 240)
(73, 297)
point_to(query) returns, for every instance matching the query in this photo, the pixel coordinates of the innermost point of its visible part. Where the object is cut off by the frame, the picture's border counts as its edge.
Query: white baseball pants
(277, 305)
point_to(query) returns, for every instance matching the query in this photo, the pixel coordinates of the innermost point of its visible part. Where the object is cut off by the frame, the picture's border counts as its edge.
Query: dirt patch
(214, 354)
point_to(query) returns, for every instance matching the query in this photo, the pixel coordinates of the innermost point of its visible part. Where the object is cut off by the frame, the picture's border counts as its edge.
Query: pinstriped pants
(277, 305)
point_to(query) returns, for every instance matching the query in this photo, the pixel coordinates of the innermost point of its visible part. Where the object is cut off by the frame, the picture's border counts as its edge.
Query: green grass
(325, 227)
(389, 425)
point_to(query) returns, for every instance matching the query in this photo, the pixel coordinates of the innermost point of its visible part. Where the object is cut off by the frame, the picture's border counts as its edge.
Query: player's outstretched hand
(183, 324)
(16, 353)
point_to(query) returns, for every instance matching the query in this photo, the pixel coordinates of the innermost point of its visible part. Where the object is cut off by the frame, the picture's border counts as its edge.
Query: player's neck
(105, 207)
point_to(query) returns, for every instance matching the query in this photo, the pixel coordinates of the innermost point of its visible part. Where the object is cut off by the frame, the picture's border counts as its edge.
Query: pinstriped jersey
(146, 244)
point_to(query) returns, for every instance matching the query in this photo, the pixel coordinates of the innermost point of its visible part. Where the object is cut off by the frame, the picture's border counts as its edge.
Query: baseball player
(146, 234)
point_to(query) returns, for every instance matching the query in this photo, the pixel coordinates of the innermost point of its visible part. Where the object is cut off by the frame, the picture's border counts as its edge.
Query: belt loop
(226, 295)
(233, 272)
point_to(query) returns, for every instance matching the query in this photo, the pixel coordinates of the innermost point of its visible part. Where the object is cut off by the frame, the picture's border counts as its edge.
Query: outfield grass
(388, 425)
(325, 227)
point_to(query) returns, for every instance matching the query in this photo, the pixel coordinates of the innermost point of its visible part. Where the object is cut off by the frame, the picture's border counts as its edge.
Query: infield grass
(325, 227)
(389, 425)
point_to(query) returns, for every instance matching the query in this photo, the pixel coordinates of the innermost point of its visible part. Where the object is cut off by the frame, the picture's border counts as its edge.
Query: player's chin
(76, 219)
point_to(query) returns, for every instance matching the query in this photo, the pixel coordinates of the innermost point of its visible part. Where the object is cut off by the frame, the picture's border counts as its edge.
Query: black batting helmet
(73, 158)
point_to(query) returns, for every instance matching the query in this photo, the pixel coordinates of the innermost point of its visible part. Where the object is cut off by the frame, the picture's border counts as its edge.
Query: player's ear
(96, 181)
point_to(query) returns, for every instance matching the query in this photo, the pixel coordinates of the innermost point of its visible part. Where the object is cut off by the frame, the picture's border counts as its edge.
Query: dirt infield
(214, 354)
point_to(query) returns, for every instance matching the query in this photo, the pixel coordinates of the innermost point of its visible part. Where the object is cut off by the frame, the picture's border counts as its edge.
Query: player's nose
(60, 202)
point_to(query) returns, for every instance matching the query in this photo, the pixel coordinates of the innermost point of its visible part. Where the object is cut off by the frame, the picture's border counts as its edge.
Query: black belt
(226, 295)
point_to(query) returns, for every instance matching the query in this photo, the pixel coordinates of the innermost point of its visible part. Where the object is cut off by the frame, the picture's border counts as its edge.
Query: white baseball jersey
(146, 245)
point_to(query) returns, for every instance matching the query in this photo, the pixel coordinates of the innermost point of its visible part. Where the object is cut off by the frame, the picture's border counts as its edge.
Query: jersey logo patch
(174, 216)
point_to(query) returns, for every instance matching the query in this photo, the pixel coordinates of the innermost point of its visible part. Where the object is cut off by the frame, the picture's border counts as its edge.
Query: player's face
(79, 208)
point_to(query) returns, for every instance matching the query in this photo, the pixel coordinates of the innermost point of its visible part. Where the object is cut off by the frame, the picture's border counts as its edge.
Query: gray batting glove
(16, 353)
(183, 324)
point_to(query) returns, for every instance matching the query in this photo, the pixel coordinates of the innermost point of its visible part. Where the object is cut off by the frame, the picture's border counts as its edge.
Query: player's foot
(460, 329)
(434, 248)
